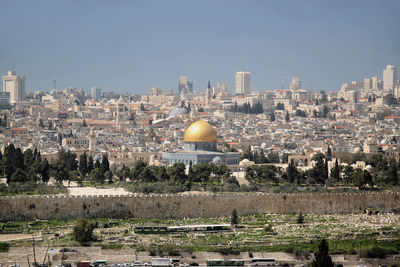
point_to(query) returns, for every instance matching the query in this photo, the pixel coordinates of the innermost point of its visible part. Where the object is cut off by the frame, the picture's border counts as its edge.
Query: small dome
(217, 160)
(177, 111)
(200, 131)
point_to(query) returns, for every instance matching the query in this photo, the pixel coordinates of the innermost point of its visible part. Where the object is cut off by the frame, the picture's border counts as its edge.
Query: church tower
(208, 93)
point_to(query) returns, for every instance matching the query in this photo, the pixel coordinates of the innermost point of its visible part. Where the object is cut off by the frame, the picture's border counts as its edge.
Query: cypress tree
(321, 257)
(234, 218)
(90, 164)
(83, 164)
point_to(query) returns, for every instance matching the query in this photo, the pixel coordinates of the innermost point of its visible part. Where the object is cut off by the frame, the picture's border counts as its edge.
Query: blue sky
(131, 46)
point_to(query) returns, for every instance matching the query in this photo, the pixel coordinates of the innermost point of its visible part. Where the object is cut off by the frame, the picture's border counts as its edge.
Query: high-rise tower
(15, 85)
(389, 78)
(242, 82)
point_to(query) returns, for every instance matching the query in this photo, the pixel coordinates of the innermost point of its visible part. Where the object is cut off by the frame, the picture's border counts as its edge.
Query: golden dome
(200, 131)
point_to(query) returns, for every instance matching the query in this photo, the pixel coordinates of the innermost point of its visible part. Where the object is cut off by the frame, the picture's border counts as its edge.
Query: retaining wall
(178, 205)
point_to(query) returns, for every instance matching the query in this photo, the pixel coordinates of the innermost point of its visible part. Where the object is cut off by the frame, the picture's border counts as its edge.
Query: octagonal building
(200, 147)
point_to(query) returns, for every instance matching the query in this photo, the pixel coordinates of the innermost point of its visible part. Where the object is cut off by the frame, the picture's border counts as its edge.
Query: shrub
(227, 251)
(268, 228)
(4, 246)
(376, 252)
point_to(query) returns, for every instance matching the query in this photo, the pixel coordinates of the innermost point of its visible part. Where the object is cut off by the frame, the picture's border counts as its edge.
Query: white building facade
(389, 78)
(242, 82)
(15, 85)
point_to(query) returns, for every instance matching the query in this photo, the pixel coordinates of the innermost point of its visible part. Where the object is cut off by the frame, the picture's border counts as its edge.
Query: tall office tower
(155, 91)
(389, 78)
(185, 85)
(15, 85)
(96, 92)
(367, 85)
(376, 84)
(242, 82)
(295, 84)
(221, 88)
(190, 86)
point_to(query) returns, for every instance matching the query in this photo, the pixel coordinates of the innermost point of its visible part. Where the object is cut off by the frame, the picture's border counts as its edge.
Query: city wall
(175, 206)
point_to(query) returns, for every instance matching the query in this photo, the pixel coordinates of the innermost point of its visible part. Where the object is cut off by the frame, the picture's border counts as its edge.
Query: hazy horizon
(131, 46)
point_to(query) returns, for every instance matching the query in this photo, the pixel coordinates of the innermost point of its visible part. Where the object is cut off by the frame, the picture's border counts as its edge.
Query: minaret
(120, 112)
(92, 140)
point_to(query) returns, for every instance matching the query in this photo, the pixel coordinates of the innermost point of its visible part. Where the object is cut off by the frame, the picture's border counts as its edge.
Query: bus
(230, 262)
(262, 262)
(100, 263)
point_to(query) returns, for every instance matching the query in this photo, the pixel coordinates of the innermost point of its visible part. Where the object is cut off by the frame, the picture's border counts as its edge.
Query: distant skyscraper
(367, 85)
(185, 85)
(96, 92)
(15, 85)
(242, 82)
(389, 78)
(295, 84)
(221, 88)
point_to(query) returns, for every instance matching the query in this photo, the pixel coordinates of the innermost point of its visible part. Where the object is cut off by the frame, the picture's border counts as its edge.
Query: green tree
(105, 165)
(59, 171)
(162, 174)
(321, 257)
(28, 158)
(19, 176)
(202, 173)
(320, 170)
(148, 174)
(18, 159)
(347, 174)
(137, 170)
(96, 164)
(123, 173)
(329, 154)
(234, 218)
(300, 218)
(96, 177)
(177, 172)
(335, 172)
(109, 176)
(45, 171)
(292, 174)
(90, 164)
(361, 178)
(83, 164)
(389, 100)
(69, 159)
(83, 231)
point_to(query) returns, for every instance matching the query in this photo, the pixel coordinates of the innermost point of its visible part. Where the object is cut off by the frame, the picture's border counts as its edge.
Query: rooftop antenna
(54, 83)
(283, 80)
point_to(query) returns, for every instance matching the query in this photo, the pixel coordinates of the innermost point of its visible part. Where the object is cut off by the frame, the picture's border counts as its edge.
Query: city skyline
(324, 44)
